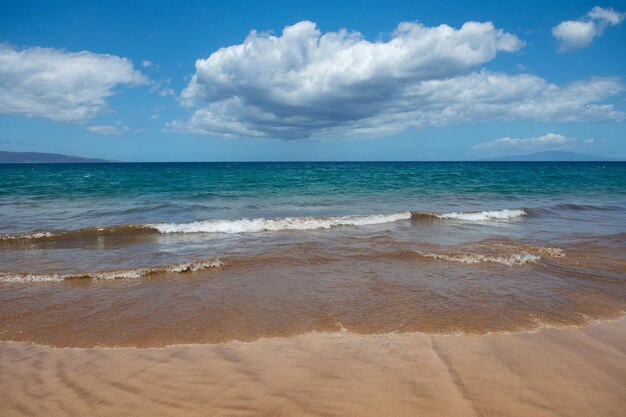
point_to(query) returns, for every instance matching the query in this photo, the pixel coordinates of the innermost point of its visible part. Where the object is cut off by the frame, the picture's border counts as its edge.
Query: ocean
(155, 254)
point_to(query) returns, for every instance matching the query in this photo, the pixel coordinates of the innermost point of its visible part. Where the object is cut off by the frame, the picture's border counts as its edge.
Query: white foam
(482, 216)
(195, 266)
(26, 236)
(551, 252)
(111, 275)
(128, 274)
(508, 260)
(23, 278)
(288, 223)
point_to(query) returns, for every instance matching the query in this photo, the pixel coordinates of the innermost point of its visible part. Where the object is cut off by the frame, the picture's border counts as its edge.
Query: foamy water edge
(111, 275)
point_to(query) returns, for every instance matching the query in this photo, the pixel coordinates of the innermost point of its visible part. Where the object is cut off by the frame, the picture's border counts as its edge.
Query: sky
(312, 80)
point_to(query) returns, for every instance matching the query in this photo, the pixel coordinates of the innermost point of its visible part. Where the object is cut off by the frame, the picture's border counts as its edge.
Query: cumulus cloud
(293, 85)
(577, 34)
(108, 130)
(60, 85)
(307, 84)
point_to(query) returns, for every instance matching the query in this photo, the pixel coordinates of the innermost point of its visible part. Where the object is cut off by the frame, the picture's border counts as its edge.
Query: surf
(112, 274)
(257, 225)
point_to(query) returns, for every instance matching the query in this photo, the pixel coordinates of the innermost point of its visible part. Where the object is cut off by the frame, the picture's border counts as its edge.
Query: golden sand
(557, 372)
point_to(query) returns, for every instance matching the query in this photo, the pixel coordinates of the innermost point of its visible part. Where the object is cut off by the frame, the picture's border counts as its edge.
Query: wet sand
(564, 372)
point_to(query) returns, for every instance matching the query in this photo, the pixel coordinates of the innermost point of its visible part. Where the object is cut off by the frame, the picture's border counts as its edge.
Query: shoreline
(570, 372)
(342, 331)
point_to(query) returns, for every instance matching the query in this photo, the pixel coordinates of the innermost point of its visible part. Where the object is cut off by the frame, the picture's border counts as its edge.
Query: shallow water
(157, 254)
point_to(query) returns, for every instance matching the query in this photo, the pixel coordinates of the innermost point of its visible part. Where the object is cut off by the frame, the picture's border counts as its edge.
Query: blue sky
(362, 80)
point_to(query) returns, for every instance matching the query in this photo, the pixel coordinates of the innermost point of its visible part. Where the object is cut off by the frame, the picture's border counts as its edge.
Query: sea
(157, 254)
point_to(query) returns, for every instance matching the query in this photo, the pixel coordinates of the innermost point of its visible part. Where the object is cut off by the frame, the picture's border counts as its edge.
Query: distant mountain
(42, 158)
(554, 156)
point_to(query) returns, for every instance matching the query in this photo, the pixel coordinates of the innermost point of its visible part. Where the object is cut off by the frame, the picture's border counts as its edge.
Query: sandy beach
(564, 372)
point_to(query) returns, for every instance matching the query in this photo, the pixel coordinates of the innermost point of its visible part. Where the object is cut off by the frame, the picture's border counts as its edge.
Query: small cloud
(149, 64)
(166, 92)
(548, 141)
(162, 88)
(577, 34)
(156, 112)
(108, 130)
(589, 141)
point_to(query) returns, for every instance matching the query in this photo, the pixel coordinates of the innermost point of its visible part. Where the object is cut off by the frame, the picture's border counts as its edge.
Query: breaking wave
(118, 230)
(257, 225)
(474, 258)
(522, 256)
(475, 216)
(287, 223)
(112, 275)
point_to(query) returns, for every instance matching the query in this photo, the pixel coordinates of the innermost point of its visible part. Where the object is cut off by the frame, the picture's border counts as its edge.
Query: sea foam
(475, 258)
(259, 225)
(288, 223)
(111, 275)
(481, 216)
(498, 253)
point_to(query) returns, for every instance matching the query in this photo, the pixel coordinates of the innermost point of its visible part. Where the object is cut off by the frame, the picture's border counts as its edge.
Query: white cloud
(576, 34)
(303, 81)
(60, 85)
(162, 87)
(167, 91)
(606, 16)
(545, 142)
(486, 96)
(146, 64)
(108, 130)
(156, 112)
(308, 84)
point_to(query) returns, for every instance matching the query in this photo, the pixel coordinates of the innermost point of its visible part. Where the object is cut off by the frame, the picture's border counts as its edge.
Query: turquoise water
(168, 213)
(70, 196)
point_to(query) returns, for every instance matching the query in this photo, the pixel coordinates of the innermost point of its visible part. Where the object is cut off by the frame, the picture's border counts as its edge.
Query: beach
(554, 372)
(331, 289)
(366, 209)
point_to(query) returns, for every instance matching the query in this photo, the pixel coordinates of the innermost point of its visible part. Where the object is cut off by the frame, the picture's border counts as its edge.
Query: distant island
(554, 156)
(42, 158)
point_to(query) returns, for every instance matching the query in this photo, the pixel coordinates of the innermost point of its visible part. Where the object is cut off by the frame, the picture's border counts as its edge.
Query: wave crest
(112, 275)
(253, 225)
(474, 216)
(499, 253)
(115, 230)
(475, 258)
(287, 223)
